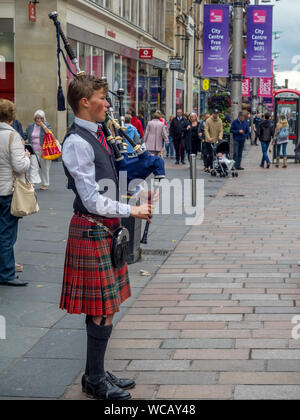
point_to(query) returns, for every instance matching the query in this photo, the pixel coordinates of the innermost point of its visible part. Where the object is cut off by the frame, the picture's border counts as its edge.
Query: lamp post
(254, 102)
(237, 56)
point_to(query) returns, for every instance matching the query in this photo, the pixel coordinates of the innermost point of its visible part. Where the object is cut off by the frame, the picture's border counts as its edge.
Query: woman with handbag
(13, 157)
(35, 133)
(155, 134)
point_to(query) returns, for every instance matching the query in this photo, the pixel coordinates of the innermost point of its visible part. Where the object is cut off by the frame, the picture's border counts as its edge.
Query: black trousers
(208, 155)
(179, 148)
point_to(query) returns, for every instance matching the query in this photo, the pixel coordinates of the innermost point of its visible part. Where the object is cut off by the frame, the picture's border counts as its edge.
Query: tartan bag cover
(91, 285)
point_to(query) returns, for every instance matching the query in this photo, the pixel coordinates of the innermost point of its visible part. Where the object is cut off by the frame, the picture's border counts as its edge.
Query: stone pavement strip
(216, 320)
(45, 349)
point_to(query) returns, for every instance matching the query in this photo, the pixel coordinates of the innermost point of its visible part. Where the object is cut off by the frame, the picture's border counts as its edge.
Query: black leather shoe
(177, 162)
(240, 169)
(120, 382)
(105, 390)
(123, 383)
(15, 283)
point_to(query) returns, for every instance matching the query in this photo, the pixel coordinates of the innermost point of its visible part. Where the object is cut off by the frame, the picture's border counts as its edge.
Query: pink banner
(265, 88)
(246, 82)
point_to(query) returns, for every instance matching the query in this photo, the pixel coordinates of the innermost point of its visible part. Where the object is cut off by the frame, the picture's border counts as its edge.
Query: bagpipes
(137, 167)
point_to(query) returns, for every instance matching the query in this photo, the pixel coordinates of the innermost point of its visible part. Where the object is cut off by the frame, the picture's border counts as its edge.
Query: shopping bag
(24, 201)
(50, 150)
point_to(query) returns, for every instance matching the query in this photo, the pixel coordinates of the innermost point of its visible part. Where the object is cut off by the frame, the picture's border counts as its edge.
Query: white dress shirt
(78, 157)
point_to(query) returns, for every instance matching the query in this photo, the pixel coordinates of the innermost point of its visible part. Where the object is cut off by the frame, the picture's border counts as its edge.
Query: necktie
(102, 139)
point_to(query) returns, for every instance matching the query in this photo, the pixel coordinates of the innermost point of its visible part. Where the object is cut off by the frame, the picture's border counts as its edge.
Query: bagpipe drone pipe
(137, 167)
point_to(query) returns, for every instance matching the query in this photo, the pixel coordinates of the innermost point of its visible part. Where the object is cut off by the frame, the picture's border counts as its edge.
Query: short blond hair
(193, 113)
(7, 111)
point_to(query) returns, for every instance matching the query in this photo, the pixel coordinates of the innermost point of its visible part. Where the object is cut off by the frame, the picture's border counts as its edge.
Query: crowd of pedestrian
(179, 137)
(186, 134)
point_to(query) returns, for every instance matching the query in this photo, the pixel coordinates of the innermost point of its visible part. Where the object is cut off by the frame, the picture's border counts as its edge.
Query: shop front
(152, 90)
(180, 94)
(7, 59)
(196, 96)
(144, 81)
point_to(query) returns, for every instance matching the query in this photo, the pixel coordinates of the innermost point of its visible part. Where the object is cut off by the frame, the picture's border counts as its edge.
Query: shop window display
(91, 60)
(125, 77)
(7, 66)
(152, 90)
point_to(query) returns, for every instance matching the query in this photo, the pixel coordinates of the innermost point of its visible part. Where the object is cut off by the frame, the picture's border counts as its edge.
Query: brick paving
(215, 322)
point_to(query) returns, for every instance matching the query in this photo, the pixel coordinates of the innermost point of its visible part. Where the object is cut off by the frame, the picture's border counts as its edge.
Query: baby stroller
(222, 162)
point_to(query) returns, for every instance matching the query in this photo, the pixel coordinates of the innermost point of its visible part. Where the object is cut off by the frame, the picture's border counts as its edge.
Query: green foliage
(220, 101)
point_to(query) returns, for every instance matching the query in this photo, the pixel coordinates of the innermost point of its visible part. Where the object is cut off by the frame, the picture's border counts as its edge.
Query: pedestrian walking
(170, 146)
(163, 120)
(240, 130)
(132, 132)
(18, 127)
(155, 134)
(177, 132)
(256, 121)
(213, 132)
(35, 132)
(137, 123)
(93, 284)
(281, 139)
(13, 157)
(249, 125)
(265, 134)
(194, 135)
(142, 119)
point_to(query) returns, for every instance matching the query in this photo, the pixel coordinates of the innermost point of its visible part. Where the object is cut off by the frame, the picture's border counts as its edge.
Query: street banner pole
(254, 103)
(237, 56)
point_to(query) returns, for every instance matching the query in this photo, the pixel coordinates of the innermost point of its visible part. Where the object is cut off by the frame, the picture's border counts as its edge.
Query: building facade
(106, 37)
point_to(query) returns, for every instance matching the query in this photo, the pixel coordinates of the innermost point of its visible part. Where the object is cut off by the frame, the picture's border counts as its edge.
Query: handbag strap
(11, 139)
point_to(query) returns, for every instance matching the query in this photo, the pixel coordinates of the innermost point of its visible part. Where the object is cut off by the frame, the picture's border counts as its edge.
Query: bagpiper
(95, 280)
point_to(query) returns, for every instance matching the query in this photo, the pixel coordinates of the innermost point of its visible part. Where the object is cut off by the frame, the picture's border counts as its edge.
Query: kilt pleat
(91, 285)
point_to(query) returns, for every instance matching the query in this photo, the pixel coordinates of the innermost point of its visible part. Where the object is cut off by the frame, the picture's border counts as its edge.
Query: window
(97, 62)
(7, 65)
(150, 14)
(91, 60)
(127, 9)
(135, 11)
(125, 77)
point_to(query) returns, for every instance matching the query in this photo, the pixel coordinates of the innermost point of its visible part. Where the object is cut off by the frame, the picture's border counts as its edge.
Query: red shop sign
(32, 12)
(146, 53)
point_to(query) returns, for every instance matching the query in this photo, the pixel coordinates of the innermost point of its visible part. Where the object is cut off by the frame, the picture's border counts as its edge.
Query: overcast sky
(286, 18)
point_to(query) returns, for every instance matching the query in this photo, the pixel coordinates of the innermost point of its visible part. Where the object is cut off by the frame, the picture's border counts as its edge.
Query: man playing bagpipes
(95, 278)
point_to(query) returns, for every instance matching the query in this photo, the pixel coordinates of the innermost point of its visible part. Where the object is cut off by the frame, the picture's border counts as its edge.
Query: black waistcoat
(104, 168)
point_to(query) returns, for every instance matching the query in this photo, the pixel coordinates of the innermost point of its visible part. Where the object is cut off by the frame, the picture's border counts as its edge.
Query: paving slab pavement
(40, 338)
(216, 319)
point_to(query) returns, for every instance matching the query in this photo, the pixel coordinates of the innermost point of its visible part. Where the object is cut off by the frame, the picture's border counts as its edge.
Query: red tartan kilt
(91, 285)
